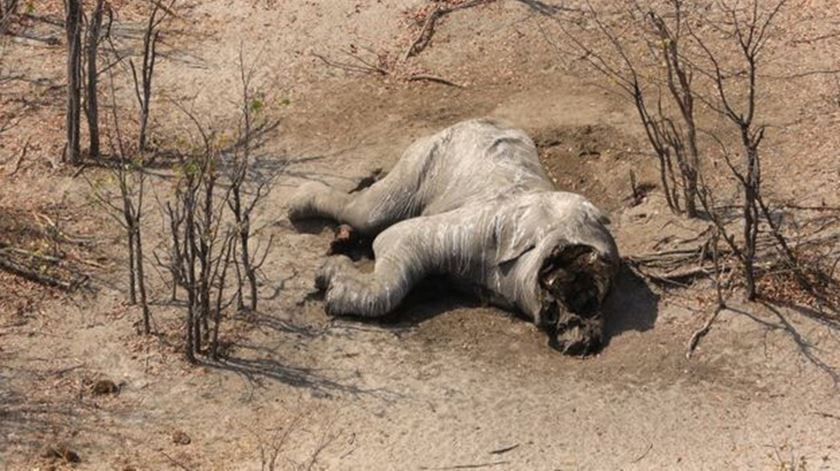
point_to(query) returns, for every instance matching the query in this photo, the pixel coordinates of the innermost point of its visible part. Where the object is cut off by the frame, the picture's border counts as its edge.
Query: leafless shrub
(8, 117)
(654, 75)
(126, 206)
(685, 56)
(272, 444)
(679, 77)
(143, 84)
(245, 195)
(201, 241)
(749, 28)
(209, 218)
(10, 114)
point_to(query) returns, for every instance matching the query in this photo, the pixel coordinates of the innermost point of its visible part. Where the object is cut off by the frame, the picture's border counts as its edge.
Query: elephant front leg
(351, 292)
(334, 267)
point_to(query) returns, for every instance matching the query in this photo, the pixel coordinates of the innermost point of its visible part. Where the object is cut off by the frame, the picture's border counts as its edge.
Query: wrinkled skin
(472, 203)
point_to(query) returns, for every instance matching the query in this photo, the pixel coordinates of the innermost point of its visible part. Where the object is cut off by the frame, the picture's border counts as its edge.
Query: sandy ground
(445, 383)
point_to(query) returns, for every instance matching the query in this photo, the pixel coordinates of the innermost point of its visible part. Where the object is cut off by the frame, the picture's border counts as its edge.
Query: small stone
(104, 386)
(180, 438)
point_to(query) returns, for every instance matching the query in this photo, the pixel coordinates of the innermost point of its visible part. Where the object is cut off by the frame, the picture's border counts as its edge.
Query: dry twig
(20, 159)
(433, 78)
(424, 36)
(11, 261)
(701, 332)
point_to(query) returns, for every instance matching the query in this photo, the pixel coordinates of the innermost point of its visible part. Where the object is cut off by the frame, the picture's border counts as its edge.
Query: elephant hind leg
(369, 211)
(317, 200)
(372, 210)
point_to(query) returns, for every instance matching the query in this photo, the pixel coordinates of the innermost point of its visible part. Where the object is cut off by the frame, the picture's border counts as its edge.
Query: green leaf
(257, 105)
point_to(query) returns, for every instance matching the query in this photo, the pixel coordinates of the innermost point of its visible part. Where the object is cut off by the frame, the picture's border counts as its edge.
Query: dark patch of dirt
(586, 159)
(104, 386)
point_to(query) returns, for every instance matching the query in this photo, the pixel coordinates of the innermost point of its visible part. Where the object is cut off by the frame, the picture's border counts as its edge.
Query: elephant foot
(302, 202)
(331, 269)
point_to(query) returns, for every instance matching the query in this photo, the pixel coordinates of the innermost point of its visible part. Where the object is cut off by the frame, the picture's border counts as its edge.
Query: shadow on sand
(319, 382)
(778, 320)
(257, 364)
(630, 306)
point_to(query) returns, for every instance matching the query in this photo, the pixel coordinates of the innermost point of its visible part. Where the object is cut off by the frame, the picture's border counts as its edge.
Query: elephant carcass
(473, 203)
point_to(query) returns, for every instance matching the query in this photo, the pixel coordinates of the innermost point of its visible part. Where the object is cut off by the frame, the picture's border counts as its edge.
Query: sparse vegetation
(127, 205)
(691, 54)
(245, 194)
(213, 176)
(209, 219)
(157, 307)
(201, 241)
(655, 75)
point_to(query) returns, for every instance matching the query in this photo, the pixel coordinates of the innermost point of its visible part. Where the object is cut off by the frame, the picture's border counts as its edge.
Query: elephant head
(573, 282)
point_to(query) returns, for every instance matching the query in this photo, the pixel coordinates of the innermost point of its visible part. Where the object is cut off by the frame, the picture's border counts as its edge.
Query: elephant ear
(516, 234)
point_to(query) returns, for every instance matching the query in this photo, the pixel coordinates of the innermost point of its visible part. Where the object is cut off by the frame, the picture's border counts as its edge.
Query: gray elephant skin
(474, 204)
